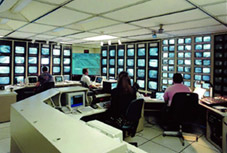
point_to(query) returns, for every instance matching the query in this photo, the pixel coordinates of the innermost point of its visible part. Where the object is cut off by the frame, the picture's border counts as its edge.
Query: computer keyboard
(214, 100)
(85, 109)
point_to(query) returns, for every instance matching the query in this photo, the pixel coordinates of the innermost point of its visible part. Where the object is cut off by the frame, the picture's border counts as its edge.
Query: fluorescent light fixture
(1, 36)
(47, 42)
(102, 37)
(58, 29)
(21, 5)
(119, 42)
(101, 43)
(109, 42)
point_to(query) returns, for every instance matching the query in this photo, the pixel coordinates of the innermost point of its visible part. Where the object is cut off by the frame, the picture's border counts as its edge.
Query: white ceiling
(71, 21)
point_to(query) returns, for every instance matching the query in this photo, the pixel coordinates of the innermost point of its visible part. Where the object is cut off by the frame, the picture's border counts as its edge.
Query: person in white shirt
(86, 79)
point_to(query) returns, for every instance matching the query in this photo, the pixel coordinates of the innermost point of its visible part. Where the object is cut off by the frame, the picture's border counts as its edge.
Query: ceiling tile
(36, 28)
(92, 23)
(132, 33)
(115, 28)
(218, 9)
(15, 24)
(18, 34)
(172, 18)
(4, 32)
(83, 35)
(5, 27)
(36, 9)
(99, 6)
(13, 16)
(223, 19)
(54, 1)
(150, 8)
(62, 17)
(204, 2)
(63, 32)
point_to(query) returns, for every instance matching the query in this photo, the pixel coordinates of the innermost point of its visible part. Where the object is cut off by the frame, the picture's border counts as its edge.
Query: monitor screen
(171, 55)
(171, 62)
(188, 55)
(66, 60)
(170, 81)
(111, 70)
(198, 47)
(4, 80)
(198, 39)
(165, 81)
(165, 42)
(152, 85)
(141, 73)
(153, 74)
(206, 62)
(32, 79)
(206, 70)
(45, 51)
(130, 72)
(159, 95)
(207, 38)
(188, 47)
(141, 62)
(119, 70)
(66, 69)
(187, 62)
(33, 51)
(130, 52)
(32, 60)
(130, 62)
(57, 61)
(19, 50)
(66, 52)
(187, 76)
(170, 75)
(4, 59)
(58, 78)
(76, 100)
(198, 54)
(113, 85)
(4, 49)
(165, 48)
(198, 77)
(153, 63)
(104, 70)
(165, 55)
(141, 52)
(112, 62)
(112, 53)
(56, 52)
(180, 55)
(32, 69)
(206, 54)
(187, 83)
(188, 40)
(121, 62)
(56, 69)
(19, 60)
(198, 62)
(171, 48)
(180, 69)
(19, 69)
(187, 69)
(164, 75)
(66, 77)
(165, 61)
(44, 60)
(171, 41)
(171, 68)
(153, 52)
(141, 83)
(206, 46)
(180, 48)
(103, 61)
(4, 69)
(180, 41)
(206, 78)
(19, 78)
(206, 85)
(121, 52)
(180, 62)
(165, 68)
(98, 79)
(104, 53)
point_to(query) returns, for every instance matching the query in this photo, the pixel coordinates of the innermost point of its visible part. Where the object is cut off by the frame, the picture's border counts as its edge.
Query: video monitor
(104, 53)
(164, 75)
(141, 83)
(180, 41)
(153, 63)
(198, 47)
(207, 54)
(33, 51)
(44, 60)
(218, 63)
(112, 62)
(104, 70)
(207, 94)
(198, 62)
(120, 62)
(171, 48)
(206, 78)
(188, 47)
(4, 69)
(187, 62)
(188, 40)
(171, 62)
(19, 69)
(121, 52)
(164, 68)
(199, 54)
(32, 60)
(56, 69)
(165, 48)
(198, 70)
(180, 69)
(19, 78)
(180, 48)
(165, 42)
(57, 61)
(141, 52)
(180, 55)
(171, 68)
(112, 53)
(19, 50)
(165, 81)
(187, 83)
(66, 53)
(153, 52)
(206, 46)
(171, 41)
(197, 85)
(187, 69)
(152, 85)
(170, 81)
(198, 77)
(165, 61)
(130, 72)
(56, 52)
(45, 51)
(130, 52)
(141, 62)
(4, 49)
(170, 75)
(75, 100)
(153, 74)
(66, 69)
(103, 61)
(180, 62)
(119, 70)
(4, 59)
(188, 55)
(130, 62)
(111, 70)
(206, 70)
(187, 76)
(66, 60)
(165, 55)
(66, 77)
(207, 38)
(141, 73)
(19, 60)
(4, 80)
(32, 69)
(206, 62)
(59, 78)
(198, 39)
(164, 87)
(206, 85)
(171, 55)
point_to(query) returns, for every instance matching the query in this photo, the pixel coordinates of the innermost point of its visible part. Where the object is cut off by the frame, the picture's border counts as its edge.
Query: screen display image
(171, 61)
(153, 63)
(187, 62)
(198, 70)
(19, 60)
(121, 52)
(19, 69)
(32, 80)
(199, 54)
(141, 62)
(198, 47)
(171, 68)
(56, 69)
(56, 52)
(66, 60)
(119, 70)
(180, 62)
(45, 51)
(170, 75)
(165, 81)
(198, 62)
(130, 52)
(141, 73)
(206, 62)
(76, 101)
(66, 77)
(188, 47)
(171, 41)
(98, 80)
(206, 70)
(198, 39)
(141, 52)
(66, 69)
(4, 59)
(57, 61)
(4, 69)
(187, 76)
(206, 54)
(180, 55)
(104, 53)
(206, 78)
(171, 48)
(44, 60)
(4, 80)
(153, 74)
(153, 51)
(103, 61)
(32, 60)
(165, 61)
(112, 62)
(120, 62)
(32, 69)
(111, 70)
(206, 85)
(165, 42)
(66, 53)
(113, 85)
(206, 46)
(188, 40)
(4, 49)
(188, 55)
(130, 72)
(170, 81)
(207, 39)
(180, 48)
(159, 95)
(171, 55)
(33, 51)
(180, 41)
(104, 70)
(164, 75)
(130, 62)
(207, 94)
(19, 50)
(187, 83)
(180, 69)
(19, 79)
(198, 77)
(165, 55)
(112, 53)
(152, 85)
(141, 83)
(165, 48)
(58, 79)
(165, 68)
(187, 69)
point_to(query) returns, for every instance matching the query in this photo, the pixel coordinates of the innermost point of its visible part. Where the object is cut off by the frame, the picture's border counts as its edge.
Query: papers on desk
(152, 100)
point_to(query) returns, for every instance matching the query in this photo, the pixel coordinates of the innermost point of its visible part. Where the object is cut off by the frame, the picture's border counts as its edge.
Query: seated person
(45, 80)
(86, 79)
(176, 87)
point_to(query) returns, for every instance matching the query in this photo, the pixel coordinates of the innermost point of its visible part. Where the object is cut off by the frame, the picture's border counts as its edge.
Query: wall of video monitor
(112, 59)
(19, 59)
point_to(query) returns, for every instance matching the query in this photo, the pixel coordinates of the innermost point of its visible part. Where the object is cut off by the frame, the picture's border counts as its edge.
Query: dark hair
(44, 69)
(85, 70)
(177, 78)
(135, 86)
(124, 84)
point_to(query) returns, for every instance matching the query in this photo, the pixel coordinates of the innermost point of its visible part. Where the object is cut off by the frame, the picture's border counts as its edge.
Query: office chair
(45, 86)
(184, 108)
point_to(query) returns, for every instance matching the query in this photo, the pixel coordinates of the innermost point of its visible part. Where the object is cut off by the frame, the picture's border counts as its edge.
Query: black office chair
(45, 86)
(183, 110)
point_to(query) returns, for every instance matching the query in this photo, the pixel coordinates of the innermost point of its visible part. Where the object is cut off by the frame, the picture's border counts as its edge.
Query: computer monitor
(98, 79)
(188, 55)
(198, 47)
(180, 48)
(66, 52)
(198, 62)
(4, 80)
(109, 85)
(33, 51)
(198, 39)
(153, 52)
(32, 60)
(19, 50)
(4, 70)
(44, 60)
(19, 69)
(171, 55)
(58, 78)
(188, 40)
(180, 55)
(19, 60)
(112, 53)
(141, 62)
(31, 80)
(4, 49)
(171, 48)
(56, 52)
(112, 62)
(121, 52)
(206, 62)
(141, 73)
(153, 63)
(159, 95)
(4, 59)
(57, 61)
(45, 51)
(198, 54)
(130, 72)
(206, 46)
(111, 70)
(165, 48)
(141, 83)
(180, 69)
(188, 47)
(66, 60)
(187, 69)
(153, 74)
(141, 52)
(207, 54)
(130, 62)
(56, 69)
(152, 85)
(120, 62)
(130, 52)
(104, 53)
(103, 61)
(206, 70)
(75, 100)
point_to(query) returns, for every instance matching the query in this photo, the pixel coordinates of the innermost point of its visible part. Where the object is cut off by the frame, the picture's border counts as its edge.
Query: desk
(152, 104)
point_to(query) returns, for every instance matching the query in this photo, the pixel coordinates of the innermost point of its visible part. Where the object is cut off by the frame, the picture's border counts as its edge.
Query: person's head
(44, 69)
(85, 71)
(177, 78)
(136, 86)
(124, 83)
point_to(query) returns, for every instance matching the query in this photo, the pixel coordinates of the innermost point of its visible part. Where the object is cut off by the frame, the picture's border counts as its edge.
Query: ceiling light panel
(18, 34)
(92, 23)
(36, 9)
(36, 28)
(150, 8)
(218, 9)
(173, 18)
(204, 2)
(133, 32)
(83, 35)
(62, 17)
(15, 24)
(62, 32)
(54, 1)
(116, 28)
(99, 6)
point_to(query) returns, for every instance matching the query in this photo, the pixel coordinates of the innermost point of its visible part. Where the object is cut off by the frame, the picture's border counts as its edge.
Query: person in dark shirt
(45, 80)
